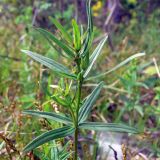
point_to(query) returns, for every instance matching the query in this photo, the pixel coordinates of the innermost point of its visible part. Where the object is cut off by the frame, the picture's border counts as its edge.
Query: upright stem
(77, 110)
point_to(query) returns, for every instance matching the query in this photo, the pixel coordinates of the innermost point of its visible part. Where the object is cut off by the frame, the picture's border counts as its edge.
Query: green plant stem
(76, 123)
(77, 111)
(76, 143)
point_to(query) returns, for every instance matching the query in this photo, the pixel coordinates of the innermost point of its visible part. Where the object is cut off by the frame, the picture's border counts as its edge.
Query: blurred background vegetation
(132, 93)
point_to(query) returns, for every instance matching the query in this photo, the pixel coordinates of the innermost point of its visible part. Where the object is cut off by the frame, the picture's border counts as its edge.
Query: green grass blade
(48, 136)
(55, 66)
(50, 36)
(94, 55)
(50, 115)
(76, 35)
(112, 127)
(118, 66)
(89, 102)
(64, 33)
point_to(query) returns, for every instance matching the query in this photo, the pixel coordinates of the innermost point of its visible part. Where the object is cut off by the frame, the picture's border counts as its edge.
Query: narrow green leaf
(89, 102)
(60, 101)
(139, 109)
(118, 66)
(55, 66)
(48, 136)
(50, 115)
(94, 55)
(112, 127)
(89, 16)
(40, 155)
(64, 148)
(67, 36)
(50, 36)
(76, 35)
(54, 151)
(65, 155)
(89, 36)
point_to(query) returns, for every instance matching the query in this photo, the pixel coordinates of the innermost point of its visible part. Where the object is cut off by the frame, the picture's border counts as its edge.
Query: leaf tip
(26, 149)
(23, 50)
(101, 83)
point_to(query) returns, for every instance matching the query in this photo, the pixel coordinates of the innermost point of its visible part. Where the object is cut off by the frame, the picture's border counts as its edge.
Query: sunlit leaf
(76, 35)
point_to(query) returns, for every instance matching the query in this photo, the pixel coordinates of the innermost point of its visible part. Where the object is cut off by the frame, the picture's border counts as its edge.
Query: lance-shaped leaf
(89, 102)
(64, 154)
(54, 151)
(40, 155)
(89, 36)
(60, 101)
(55, 66)
(49, 36)
(112, 127)
(94, 55)
(118, 66)
(64, 33)
(50, 115)
(48, 136)
(76, 35)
